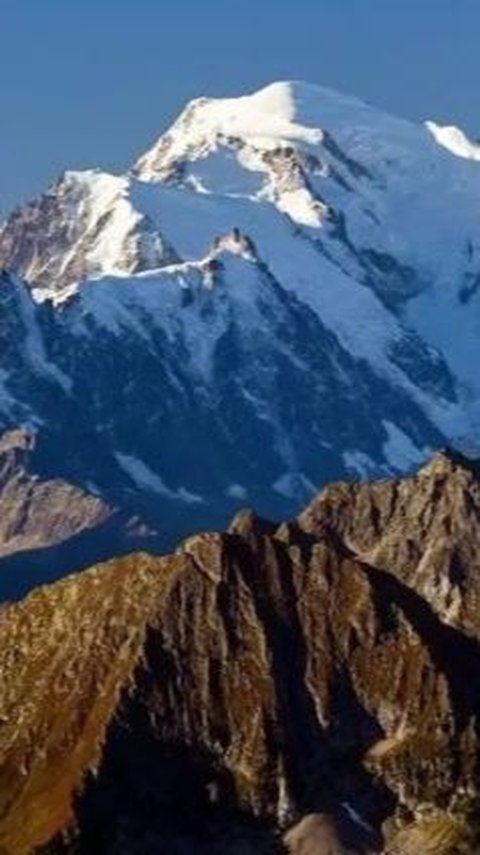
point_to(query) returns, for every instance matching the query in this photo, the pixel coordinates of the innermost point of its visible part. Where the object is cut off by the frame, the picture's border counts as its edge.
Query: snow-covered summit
(285, 288)
(326, 161)
(280, 114)
(266, 119)
(367, 183)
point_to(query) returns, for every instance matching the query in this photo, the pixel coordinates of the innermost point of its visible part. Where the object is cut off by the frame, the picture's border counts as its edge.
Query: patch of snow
(358, 463)
(355, 816)
(224, 171)
(53, 295)
(300, 206)
(7, 401)
(399, 449)
(455, 140)
(188, 496)
(145, 478)
(142, 475)
(108, 198)
(294, 485)
(236, 491)
(102, 233)
(33, 342)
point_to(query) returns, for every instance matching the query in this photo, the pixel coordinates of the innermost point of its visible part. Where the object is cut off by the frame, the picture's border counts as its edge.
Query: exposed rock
(255, 682)
(45, 244)
(49, 527)
(34, 512)
(425, 529)
(314, 835)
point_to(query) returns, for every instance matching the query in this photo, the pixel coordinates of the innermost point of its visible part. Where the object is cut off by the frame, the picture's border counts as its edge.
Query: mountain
(283, 290)
(269, 681)
(25, 499)
(49, 527)
(423, 529)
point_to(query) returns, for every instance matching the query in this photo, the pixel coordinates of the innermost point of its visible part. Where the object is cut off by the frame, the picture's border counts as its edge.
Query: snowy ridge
(265, 119)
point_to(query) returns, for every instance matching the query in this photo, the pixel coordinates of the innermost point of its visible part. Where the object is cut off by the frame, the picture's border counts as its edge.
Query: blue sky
(92, 82)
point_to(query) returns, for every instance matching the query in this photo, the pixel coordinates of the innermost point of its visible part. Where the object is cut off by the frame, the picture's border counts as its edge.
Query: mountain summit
(283, 290)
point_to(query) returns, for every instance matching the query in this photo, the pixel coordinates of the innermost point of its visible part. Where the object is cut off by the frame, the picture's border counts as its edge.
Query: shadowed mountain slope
(50, 527)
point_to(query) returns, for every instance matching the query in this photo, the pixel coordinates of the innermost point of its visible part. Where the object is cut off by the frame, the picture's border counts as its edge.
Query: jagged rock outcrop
(261, 680)
(34, 239)
(425, 529)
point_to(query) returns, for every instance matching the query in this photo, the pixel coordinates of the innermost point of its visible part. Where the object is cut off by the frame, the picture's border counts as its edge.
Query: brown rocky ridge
(312, 687)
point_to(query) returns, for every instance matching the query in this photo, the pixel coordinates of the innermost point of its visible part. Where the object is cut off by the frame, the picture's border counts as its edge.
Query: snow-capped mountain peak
(266, 120)
(261, 145)
(330, 163)
(271, 296)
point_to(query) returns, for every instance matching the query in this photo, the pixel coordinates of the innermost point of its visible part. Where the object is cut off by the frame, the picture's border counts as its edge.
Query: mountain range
(282, 291)
(281, 294)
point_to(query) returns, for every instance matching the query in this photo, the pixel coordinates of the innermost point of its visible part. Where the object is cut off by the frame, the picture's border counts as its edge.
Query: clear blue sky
(92, 82)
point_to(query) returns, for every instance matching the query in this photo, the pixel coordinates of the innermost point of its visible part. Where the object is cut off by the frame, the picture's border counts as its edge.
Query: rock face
(264, 680)
(38, 513)
(424, 529)
(268, 300)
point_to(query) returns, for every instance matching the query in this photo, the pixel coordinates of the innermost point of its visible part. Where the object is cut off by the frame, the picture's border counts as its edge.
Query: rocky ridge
(268, 680)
